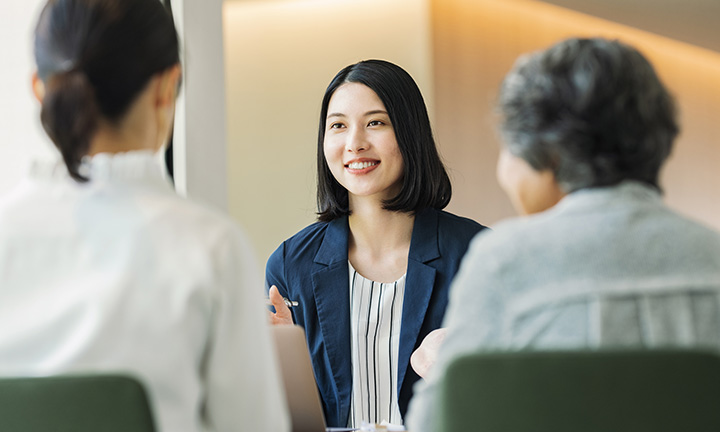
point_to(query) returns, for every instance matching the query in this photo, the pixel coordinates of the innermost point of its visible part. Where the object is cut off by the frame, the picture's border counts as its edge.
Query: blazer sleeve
(275, 271)
(275, 274)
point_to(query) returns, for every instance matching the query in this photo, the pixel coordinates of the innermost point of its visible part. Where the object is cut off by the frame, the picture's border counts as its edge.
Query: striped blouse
(376, 312)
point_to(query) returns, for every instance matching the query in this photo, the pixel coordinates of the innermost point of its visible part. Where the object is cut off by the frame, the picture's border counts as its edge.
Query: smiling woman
(360, 146)
(383, 253)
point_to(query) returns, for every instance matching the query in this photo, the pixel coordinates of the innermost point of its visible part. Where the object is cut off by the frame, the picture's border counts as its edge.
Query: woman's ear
(164, 91)
(530, 191)
(38, 87)
(168, 81)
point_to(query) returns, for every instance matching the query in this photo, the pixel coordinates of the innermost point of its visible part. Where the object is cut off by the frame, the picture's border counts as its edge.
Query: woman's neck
(111, 143)
(379, 242)
(111, 139)
(136, 130)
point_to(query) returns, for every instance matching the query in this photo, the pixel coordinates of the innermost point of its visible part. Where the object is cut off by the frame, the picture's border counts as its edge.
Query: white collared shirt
(121, 274)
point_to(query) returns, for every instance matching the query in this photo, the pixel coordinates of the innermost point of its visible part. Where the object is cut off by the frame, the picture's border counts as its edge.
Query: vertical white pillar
(21, 135)
(200, 135)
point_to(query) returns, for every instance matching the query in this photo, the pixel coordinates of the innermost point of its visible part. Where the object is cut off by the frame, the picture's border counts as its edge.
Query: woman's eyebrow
(369, 113)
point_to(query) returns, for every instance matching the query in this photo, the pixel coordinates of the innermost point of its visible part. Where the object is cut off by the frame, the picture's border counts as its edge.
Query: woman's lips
(361, 167)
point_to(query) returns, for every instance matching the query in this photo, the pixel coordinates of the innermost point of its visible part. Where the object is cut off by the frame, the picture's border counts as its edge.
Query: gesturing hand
(282, 315)
(424, 357)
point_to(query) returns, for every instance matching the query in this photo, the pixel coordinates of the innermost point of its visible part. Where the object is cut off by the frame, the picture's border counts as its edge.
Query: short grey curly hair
(592, 111)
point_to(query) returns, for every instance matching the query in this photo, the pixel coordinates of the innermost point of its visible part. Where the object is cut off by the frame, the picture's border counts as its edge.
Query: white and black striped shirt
(376, 312)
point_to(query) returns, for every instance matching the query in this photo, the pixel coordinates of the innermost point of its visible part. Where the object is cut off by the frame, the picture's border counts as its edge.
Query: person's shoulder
(304, 242)
(193, 221)
(514, 236)
(188, 208)
(688, 230)
(310, 234)
(457, 223)
(454, 233)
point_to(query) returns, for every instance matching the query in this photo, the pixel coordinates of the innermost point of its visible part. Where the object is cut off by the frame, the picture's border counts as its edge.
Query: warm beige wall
(280, 56)
(475, 42)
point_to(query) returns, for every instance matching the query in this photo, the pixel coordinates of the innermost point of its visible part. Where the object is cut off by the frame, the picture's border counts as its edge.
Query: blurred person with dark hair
(597, 260)
(371, 277)
(103, 268)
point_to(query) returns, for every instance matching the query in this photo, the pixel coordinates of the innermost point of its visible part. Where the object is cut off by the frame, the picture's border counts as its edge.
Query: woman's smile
(361, 166)
(360, 145)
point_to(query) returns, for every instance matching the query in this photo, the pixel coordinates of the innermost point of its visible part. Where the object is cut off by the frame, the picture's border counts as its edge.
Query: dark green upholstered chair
(82, 403)
(600, 391)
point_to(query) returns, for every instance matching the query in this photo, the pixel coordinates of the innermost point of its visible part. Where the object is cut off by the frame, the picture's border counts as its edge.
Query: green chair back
(599, 391)
(82, 403)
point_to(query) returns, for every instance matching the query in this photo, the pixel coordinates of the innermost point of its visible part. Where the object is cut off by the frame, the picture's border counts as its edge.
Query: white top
(120, 274)
(376, 314)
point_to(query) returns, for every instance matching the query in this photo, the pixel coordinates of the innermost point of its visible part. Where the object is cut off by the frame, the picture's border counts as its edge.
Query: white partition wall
(200, 137)
(21, 135)
(200, 150)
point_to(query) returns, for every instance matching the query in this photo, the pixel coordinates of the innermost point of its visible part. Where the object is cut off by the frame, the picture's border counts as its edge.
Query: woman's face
(360, 146)
(529, 191)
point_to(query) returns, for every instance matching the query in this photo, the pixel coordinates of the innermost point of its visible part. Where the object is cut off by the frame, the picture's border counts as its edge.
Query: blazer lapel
(332, 299)
(419, 285)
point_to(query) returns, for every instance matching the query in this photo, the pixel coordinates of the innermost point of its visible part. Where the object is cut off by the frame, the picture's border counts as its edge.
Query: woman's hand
(282, 315)
(424, 357)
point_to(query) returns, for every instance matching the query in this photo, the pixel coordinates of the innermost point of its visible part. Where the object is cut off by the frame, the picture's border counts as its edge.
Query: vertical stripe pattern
(376, 311)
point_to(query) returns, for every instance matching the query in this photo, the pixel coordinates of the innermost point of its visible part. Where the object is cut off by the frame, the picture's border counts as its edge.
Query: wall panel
(475, 43)
(280, 56)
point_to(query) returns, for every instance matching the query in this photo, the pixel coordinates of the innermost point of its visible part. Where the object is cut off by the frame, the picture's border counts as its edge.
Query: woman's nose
(356, 141)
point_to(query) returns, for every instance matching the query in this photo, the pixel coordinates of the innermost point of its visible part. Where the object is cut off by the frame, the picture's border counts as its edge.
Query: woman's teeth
(361, 165)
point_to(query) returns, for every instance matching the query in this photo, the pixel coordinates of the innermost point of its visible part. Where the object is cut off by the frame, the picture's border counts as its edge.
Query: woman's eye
(336, 126)
(376, 123)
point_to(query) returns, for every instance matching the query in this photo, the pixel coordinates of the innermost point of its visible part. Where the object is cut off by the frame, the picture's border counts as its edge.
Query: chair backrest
(74, 403)
(598, 391)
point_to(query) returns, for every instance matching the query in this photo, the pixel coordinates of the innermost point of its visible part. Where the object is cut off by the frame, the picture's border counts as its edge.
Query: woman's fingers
(424, 357)
(282, 313)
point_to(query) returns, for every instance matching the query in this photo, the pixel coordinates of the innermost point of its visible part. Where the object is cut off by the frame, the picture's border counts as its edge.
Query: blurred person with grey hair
(596, 259)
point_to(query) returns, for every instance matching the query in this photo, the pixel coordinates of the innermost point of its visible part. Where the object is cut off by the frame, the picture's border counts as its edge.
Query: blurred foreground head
(587, 113)
(93, 58)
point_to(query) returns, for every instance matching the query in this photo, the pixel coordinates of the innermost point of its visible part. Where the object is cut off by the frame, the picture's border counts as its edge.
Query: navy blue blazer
(312, 268)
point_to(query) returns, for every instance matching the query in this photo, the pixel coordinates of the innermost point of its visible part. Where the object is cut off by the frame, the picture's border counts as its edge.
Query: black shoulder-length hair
(425, 182)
